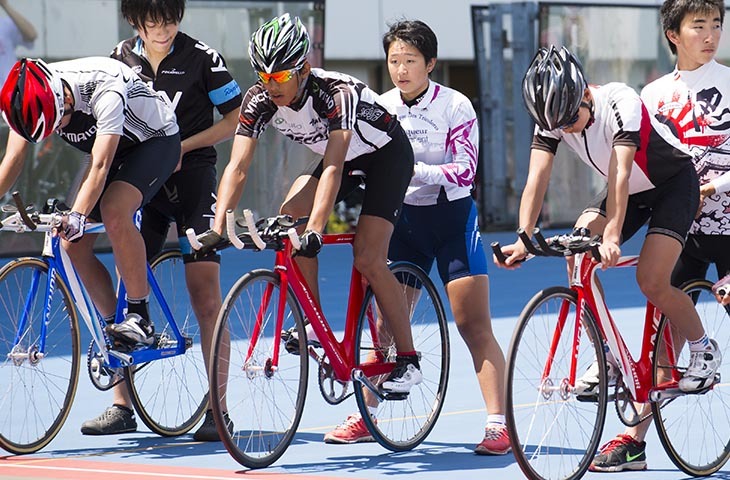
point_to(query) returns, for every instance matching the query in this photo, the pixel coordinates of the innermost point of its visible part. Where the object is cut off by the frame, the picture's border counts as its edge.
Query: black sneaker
(207, 431)
(114, 420)
(133, 331)
(621, 453)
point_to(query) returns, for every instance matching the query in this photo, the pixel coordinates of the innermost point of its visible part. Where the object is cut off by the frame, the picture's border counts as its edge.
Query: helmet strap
(301, 83)
(590, 106)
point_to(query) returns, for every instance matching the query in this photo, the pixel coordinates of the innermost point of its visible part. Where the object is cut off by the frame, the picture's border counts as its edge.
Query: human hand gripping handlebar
(555, 246)
(722, 287)
(266, 233)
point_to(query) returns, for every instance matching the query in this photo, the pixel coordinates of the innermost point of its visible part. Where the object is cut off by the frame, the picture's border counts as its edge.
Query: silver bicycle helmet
(280, 44)
(553, 87)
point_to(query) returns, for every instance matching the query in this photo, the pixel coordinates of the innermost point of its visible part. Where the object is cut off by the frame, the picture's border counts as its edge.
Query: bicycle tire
(403, 424)
(543, 415)
(170, 395)
(35, 395)
(263, 405)
(695, 429)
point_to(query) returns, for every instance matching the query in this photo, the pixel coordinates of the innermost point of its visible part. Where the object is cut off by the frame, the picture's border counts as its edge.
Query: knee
(367, 263)
(114, 218)
(651, 286)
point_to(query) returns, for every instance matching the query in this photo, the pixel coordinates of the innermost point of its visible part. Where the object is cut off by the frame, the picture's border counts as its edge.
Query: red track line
(73, 469)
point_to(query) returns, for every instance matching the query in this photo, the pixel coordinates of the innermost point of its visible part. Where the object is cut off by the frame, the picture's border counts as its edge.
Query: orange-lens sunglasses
(278, 77)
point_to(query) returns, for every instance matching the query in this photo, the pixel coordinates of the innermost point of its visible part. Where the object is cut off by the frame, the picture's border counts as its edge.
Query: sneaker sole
(634, 466)
(86, 431)
(339, 441)
(486, 451)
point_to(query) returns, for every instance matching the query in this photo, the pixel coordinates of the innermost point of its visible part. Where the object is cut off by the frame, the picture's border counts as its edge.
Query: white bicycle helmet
(553, 87)
(280, 44)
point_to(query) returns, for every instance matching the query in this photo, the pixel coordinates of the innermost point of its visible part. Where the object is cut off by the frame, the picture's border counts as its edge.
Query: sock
(140, 306)
(410, 357)
(498, 419)
(700, 345)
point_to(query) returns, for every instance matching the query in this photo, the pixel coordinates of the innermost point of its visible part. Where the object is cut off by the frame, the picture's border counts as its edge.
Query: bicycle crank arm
(359, 376)
(122, 357)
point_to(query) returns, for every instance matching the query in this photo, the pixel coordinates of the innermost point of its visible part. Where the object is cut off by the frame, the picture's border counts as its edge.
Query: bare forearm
(324, 198)
(229, 193)
(27, 30)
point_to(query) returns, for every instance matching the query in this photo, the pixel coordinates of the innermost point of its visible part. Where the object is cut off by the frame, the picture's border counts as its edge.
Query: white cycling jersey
(109, 98)
(330, 101)
(692, 110)
(444, 134)
(620, 119)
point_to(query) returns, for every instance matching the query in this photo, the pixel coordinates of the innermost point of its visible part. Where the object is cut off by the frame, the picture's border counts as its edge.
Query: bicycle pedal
(394, 395)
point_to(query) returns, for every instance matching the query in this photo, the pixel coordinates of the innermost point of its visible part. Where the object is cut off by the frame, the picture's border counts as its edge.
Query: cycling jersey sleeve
(626, 118)
(223, 90)
(341, 111)
(461, 150)
(255, 113)
(545, 143)
(108, 109)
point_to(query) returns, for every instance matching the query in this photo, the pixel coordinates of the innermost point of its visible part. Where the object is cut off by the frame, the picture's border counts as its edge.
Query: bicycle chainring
(625, 406)
(102, 376)
(333, 391)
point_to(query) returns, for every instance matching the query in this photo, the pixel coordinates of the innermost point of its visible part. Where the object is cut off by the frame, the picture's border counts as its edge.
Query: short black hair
(136, 12)
(673, 12)
(414, 33)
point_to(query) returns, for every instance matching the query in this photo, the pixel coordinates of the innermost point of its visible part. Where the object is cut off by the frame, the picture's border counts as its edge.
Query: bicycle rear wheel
(403, 424)
(170, 395)
(36, 388)
(695, 429)
(553, 435)
(263, 402)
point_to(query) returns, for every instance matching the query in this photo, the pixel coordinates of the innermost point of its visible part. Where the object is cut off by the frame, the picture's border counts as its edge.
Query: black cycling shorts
(387, 171)
(145, 166)
(670, 207)
(188, 199)
(699, 252)
(445, 232)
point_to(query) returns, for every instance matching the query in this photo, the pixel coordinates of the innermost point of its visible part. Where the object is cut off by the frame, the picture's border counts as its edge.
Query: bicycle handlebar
(555, 246)
(264, 234)
(722, 286)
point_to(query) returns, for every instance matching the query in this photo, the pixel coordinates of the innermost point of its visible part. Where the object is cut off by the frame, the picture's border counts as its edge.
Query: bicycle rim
(553, 435)
(263, 404)
(170, 395)
(403, 424)
(695, 429)
(36, 392)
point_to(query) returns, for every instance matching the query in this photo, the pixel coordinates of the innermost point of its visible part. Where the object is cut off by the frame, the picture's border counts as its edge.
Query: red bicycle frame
(341, 354)
(637, 375)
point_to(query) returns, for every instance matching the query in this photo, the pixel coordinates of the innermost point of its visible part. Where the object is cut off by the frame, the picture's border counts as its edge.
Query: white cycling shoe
(702, 368)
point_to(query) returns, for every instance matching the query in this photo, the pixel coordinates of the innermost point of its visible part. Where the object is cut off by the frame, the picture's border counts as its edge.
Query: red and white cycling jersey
(109, 98)
(444, 134)
(620, 119)
(692, 110)
(330, 101)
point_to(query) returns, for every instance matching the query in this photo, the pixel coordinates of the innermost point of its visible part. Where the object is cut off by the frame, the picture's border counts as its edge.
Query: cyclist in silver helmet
(609, 128)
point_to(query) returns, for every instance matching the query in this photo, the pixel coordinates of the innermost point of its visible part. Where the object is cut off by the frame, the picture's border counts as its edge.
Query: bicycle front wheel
(38, 373)
(257, 395)
(170, 395)
(553, 434)
(695, 428)
(403, 424)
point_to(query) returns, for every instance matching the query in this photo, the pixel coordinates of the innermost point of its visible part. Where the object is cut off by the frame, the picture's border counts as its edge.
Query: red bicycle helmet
(31, 100)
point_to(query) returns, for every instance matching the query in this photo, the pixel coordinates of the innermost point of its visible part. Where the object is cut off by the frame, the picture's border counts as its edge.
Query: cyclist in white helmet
(648, 179)
(338, 117)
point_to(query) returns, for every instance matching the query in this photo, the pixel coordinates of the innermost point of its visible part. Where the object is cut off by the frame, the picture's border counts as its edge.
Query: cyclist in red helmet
(101, 107)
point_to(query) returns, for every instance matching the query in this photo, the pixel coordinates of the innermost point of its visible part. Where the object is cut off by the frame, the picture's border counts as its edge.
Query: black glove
(72, 226)
(311, 244)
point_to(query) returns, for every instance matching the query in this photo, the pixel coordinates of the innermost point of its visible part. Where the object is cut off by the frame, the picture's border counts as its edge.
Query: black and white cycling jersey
(691, 109)
(109, 98)
(444, 134)
(330, 101)
(194, 80)
(620, 119)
